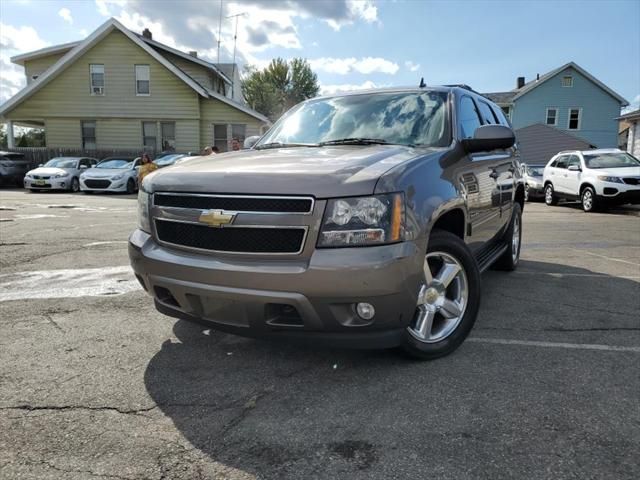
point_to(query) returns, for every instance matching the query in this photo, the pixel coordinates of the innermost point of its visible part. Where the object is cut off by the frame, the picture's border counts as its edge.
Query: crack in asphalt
(62, 408)
(73, 470)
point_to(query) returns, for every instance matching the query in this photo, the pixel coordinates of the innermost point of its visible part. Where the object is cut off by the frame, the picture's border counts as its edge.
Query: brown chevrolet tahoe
(359, 220)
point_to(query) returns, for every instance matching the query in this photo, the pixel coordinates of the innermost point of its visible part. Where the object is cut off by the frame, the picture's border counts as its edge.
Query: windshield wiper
(284, 145)
(356, 141)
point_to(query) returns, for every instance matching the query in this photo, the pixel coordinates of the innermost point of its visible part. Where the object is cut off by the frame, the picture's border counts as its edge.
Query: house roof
(43, 52)
(539, 142)
(186, 56)
(635, 115)
(76, 49)
(509, 97)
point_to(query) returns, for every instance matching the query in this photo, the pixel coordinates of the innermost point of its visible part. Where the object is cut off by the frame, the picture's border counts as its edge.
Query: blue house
(569, 99)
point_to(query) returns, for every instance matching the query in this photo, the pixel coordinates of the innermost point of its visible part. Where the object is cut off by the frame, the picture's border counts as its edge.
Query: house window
(575, 118)
(567, 81)
(168, 132)
(142, 80)
(220, 138)
(149, 135)
(507, 111)
(88, 129)
(552, 116)
(97, 79)
(239, 131)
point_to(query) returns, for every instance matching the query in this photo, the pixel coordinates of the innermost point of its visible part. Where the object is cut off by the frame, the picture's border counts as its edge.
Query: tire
(75, 185)
(589, 200)
(446, 331)
(513, 238)
(131, 186)
(549, 195)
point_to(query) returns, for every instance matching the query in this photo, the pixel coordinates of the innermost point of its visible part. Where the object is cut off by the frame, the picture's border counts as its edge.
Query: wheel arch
(452, 221)
(585, 185)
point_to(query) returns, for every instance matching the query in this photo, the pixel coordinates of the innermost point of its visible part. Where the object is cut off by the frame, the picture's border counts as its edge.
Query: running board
(488, 257)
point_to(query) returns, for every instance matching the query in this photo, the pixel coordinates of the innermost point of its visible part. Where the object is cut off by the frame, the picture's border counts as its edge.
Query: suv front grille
(631, 181)
(97, 183)
(235, 203)
(234, 240)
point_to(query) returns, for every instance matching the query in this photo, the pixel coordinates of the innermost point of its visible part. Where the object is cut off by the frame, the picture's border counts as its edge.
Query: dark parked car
(13, 167)
(358, 220)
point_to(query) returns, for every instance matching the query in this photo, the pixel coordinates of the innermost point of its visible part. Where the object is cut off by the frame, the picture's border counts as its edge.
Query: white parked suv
(598, 178)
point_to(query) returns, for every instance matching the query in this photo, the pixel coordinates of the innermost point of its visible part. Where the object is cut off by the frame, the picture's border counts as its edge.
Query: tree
(280, 86)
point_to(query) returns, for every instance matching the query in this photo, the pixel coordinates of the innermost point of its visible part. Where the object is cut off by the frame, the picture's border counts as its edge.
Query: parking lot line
(610, 258)
(571, 346)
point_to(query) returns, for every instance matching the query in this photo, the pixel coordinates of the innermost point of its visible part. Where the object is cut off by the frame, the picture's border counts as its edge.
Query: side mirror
(251, 141)
(489, 137)
(83, 167)
(574, 168)
(41, 164)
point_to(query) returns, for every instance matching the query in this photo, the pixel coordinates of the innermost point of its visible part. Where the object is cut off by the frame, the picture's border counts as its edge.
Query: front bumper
(617, 193)
(536, 190)
(304, 300)
(48, 184)
(114, 185)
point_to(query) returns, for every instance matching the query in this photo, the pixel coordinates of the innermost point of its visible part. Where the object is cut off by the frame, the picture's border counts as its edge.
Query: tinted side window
(488, 118)
(562, 162)
(502, 118)
(574, 160)
(468, 117)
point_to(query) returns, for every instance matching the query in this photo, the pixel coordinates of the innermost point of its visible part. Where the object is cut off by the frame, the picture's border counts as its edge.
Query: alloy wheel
(548, 195)
(515, 239)
(75, 185)
(442, 300)
(526, 193)
(587, 200)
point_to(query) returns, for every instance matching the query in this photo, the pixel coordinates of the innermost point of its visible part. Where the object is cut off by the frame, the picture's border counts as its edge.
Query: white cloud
(411, 66)
(104, 9)
(344, 66)
(13, 41)
(357, 10)
(346, 87)
(65, 14)
(83, 32)
(633, 106)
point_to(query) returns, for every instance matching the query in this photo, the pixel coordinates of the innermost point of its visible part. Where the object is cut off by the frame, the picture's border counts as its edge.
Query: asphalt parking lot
(96, 384)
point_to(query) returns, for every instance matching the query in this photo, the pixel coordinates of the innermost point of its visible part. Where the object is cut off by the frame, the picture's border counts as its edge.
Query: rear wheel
(448, 299)
(589, 202)
(549, 195)
(513, 238)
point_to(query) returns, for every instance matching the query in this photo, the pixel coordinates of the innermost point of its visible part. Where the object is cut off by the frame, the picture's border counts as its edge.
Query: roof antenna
(422, 84)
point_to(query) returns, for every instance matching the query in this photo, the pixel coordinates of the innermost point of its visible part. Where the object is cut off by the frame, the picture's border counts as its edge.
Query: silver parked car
(115, 174)
(61, 173)
(533, 187)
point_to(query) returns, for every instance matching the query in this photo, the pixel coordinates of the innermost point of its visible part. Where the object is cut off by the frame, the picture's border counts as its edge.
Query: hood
(618, 172)
(50, 171)
(105, 172)
(319, 171)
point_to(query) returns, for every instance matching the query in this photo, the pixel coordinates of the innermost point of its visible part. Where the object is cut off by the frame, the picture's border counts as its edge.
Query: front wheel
(448, 300)
(588, 197)
(131, 186)
(75, 185)
(549, 195)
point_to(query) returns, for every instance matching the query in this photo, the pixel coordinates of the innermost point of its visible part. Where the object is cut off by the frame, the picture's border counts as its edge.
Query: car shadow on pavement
(276, 410)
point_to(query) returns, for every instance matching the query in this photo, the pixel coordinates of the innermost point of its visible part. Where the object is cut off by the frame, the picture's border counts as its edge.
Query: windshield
(115, 163)
(62, 163)
(535, 171)
(168, 159)
(415, 118)
(610, 160)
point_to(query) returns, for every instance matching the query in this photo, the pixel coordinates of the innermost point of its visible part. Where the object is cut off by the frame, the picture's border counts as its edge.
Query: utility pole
(235, 41)
(219, 29)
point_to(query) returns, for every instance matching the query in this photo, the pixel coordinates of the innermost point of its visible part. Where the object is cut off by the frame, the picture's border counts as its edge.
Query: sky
(353, 44)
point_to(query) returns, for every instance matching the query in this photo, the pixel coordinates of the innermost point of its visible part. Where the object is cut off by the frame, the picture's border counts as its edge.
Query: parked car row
(86, 174)
(597, 178)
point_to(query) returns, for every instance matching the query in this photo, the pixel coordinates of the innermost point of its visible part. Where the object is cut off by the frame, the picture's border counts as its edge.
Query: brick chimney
(193, 53)
(520, 82)
(146, 33)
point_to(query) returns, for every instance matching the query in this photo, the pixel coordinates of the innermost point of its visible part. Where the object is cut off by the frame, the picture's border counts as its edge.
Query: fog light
(365, 311)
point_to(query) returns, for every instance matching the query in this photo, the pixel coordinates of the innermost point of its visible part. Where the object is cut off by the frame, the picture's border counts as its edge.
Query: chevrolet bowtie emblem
(217, 218)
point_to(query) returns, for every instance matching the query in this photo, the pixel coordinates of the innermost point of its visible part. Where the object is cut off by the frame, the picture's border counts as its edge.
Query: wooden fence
(38, 155)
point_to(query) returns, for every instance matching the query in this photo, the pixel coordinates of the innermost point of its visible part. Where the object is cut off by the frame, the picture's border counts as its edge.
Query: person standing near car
(146, 168)
(235, 144)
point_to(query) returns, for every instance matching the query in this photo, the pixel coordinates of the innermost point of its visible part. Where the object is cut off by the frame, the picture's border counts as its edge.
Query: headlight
(604, 178)
(361, 221)
(144, 221)
(60, 175)
(118, 177)
(27, 175)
